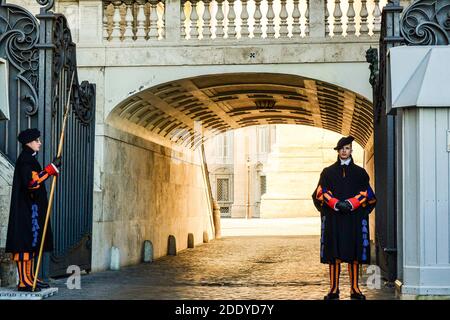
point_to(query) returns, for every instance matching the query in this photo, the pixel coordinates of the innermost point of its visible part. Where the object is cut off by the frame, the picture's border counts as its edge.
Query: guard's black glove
(344, 206)
(57, 162)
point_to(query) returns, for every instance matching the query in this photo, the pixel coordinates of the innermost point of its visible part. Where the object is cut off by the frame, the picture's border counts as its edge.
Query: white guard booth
(418, 86)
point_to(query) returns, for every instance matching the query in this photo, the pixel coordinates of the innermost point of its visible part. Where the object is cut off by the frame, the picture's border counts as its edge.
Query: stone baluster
(296, 31)
(206, 31)
(337, 31)
(140, 32)
(194, 20)
(117, 18)
(283, 20)
(270, 16)
(307, 18)
(231, 20)
(327, 21)
(163, 21)
(257, 30)
(128, 34)
(376, 17)
(106, 19)
(220, 19)
(153, 27)
(183, 20)
(244, 20)
(364, 29)
(351, 18)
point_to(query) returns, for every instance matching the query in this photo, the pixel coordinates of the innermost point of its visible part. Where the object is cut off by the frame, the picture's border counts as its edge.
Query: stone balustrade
(145, 20)
(139, 20)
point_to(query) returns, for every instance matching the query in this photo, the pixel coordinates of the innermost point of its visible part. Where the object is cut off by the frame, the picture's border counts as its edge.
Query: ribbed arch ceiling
(225, 102)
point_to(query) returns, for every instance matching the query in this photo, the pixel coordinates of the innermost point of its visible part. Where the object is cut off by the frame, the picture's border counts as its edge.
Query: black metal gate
(41, 59)
(385, 145)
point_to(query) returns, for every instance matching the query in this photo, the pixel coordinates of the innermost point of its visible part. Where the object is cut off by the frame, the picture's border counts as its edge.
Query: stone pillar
(240, 154)
(85, 19)
(317, 18)
(173, 20)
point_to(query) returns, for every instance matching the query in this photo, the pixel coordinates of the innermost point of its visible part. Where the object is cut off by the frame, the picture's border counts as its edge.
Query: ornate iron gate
(42, 59)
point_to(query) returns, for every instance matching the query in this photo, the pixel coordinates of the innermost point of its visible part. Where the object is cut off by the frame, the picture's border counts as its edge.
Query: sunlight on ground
(270, 227)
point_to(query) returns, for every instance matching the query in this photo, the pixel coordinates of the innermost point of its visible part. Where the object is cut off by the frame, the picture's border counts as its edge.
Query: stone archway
(151, 139)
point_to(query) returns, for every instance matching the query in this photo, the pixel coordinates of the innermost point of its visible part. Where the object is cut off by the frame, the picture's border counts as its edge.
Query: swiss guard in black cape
(345, 199)
(28, 209)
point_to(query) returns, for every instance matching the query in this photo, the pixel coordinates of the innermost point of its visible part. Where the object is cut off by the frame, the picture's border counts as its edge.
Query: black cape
(345, 236)
(20, 228)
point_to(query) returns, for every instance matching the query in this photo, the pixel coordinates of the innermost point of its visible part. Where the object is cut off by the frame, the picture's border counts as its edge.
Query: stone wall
(7, 272)
(6, 177)
(146, 192)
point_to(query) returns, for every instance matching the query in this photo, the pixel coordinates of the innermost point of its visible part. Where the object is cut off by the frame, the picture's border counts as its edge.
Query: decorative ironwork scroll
(427, 22)
(19, 34)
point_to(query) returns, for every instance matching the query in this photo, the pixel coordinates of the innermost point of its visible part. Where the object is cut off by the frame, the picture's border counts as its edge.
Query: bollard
(115, 259)
(216, 215)
(172, 246)
(190, 243)
(148, 251)
(205, 237)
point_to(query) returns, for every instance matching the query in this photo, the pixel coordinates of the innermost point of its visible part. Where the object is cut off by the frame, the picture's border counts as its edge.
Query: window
(223, 145)
(263, 184)
(223, 191)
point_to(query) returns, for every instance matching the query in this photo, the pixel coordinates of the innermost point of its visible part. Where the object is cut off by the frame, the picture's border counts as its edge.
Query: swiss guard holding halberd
(28, 209)
(345, 199)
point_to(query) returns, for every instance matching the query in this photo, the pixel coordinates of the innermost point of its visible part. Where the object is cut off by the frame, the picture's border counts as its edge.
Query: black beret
(28, 135)
(344, 141)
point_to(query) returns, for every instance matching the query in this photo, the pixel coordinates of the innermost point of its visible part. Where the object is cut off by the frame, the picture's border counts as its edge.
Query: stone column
(240, 153)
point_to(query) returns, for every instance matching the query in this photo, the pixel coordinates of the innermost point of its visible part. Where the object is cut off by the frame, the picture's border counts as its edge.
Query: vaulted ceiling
(229, 101)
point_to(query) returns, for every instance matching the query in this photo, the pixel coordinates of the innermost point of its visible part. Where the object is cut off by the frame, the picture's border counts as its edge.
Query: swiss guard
(28, 209)
(345, 199)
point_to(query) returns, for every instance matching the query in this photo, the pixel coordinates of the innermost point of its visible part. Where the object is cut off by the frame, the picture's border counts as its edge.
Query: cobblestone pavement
(276, 267)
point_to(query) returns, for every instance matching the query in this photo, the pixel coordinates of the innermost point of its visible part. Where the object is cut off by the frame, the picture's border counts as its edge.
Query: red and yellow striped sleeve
(37, 178)
(326, 196)
(363, 198)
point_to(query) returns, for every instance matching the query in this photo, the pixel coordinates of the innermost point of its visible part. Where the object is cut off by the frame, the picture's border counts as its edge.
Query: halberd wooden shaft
(52, 190)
